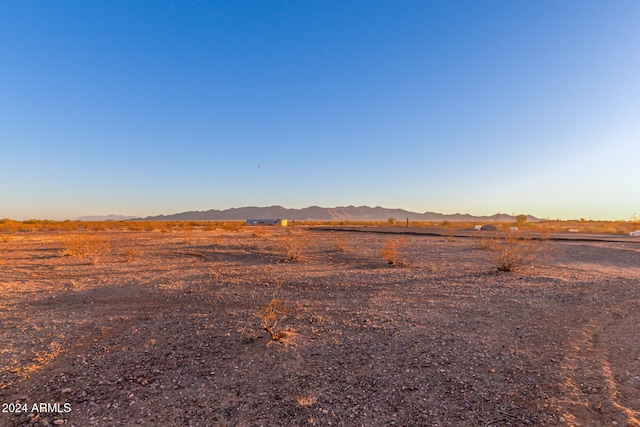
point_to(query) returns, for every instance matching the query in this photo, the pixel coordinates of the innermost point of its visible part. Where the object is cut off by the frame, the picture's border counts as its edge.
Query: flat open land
(165, 328)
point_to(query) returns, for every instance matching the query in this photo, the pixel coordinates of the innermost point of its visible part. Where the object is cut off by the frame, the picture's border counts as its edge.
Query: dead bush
(187, 230)
(306, 401)
(293, 246)
(129, 254)
(514, 251)
(391, 250)
(274, 312)
(91, 248)
(341, 243)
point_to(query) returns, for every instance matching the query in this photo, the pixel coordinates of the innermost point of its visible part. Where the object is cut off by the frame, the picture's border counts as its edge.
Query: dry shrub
(391, 250)
(260, 231)
(187, 233)
(153, 226)
(515, 251)
(341, 243)
(306, 401)
(9, 226)
(232, 226)
(135, 226)
(486, 242)
(293, 245)
(272, 315)
(91, 248)
(97, 225)
(129, 254)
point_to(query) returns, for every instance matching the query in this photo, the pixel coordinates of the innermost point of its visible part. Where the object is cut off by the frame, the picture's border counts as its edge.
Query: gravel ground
(166, 328)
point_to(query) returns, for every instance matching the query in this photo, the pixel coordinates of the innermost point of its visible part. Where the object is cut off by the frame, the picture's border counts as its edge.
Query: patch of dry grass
(341, 243)
(90, 248)
(485, 240)
(583, 225)
(260, 231)
(232, 226)
(131, 253)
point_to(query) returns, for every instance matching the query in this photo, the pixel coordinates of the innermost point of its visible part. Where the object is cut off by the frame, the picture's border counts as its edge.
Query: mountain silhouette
(317, 213)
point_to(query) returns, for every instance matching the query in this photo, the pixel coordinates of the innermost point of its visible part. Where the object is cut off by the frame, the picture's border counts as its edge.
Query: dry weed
(306, 401)
(485, 242)
(129, 254)
(260, 231)
(515, 251)
(272, 315)
(91, 248)
(293, 245)
(341, 243)
(391, 250)
(187, 233)
(232, 226)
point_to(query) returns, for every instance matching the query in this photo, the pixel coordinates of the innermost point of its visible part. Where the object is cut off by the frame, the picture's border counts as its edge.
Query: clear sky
(157, 107)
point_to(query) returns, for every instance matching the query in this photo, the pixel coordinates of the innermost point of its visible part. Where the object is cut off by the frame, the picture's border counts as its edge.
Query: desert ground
(167, 327)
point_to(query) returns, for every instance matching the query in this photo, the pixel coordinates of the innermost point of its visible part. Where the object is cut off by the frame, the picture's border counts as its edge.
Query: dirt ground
(165, 328)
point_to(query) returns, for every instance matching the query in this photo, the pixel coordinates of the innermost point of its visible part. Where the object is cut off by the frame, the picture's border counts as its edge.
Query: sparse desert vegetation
(293, 245)
(391, 250)
(130, 253)
(88, 247)
(193, 332)
(306, 401)
(549, 226)
(341, 242)
(513, 250)
(272, 314)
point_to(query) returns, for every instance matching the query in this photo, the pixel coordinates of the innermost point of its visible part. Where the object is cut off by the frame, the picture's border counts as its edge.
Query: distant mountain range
(317, 213)
(106, 218)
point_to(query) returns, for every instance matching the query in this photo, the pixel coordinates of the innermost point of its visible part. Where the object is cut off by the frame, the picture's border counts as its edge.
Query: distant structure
(280, 222)
(489, 227)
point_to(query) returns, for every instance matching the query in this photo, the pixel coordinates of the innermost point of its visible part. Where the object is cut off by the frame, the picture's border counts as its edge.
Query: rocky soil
(166, 328)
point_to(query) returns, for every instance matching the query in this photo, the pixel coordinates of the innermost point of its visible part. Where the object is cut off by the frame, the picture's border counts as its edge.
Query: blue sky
(145, 108)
